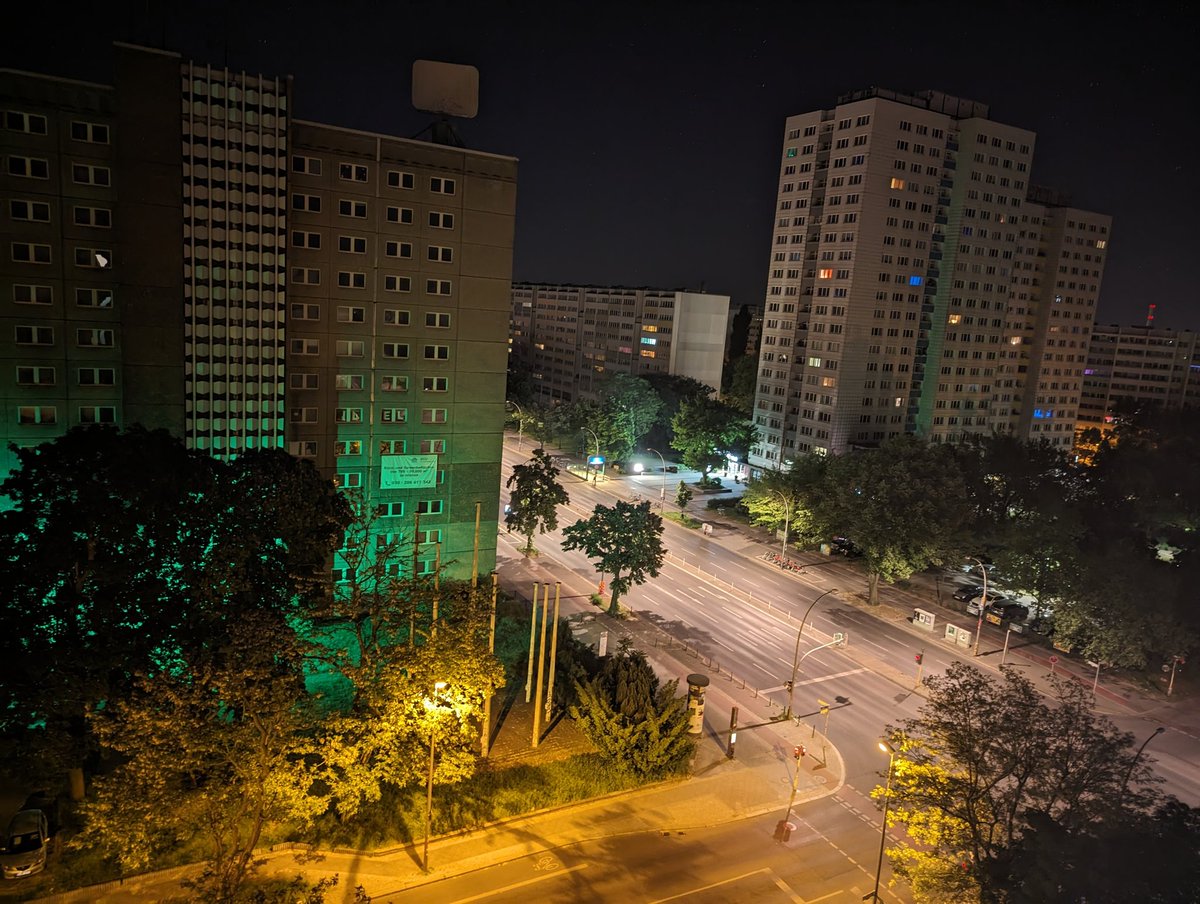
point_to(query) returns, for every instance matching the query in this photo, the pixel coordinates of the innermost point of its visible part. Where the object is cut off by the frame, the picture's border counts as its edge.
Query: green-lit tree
(625, 541)
(743, 381)
(705, 429)
(779, 499)
(634, 720)
(535, 495)
(903, 504)
(631, 407)
(683, 495)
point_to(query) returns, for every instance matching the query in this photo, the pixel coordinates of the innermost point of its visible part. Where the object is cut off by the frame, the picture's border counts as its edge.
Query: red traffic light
(799, 751)
(919, 657)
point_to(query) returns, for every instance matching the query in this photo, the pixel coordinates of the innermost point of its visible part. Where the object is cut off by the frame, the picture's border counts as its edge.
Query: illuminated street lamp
(887, 791)
(430, 706)
(662, 493)
(787, 521)
(596, 439)
(520, 424)
(982, 603)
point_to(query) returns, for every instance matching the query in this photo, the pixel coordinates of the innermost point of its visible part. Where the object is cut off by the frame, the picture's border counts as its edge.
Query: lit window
(897, 183)
(825, 274)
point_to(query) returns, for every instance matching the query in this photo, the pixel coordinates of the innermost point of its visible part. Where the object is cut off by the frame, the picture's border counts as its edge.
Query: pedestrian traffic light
(799, 751)
(919, 657)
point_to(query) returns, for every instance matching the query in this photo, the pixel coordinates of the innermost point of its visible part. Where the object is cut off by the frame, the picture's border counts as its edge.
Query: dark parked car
(844, 546)
(968, 592)
(1007, 614)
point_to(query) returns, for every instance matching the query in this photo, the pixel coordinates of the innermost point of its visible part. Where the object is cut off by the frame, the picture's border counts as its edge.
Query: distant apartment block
(1135, 365)
(569, 339)
(177, 250)
(918, 284)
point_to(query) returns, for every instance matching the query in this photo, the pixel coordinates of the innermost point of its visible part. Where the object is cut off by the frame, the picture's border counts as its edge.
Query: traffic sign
(1053, 659)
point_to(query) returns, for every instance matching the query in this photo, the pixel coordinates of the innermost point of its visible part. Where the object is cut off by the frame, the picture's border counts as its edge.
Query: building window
(394, 415)
(34, 335)
(435, 384)
(305, 276)
(97, 414)
(302, 239)
(399, 215)
(29, 123)
(93, 258)
(350, 208)
(27, 294)
(303, 415)
(303, 449)
(430, 507)
(30, 253)
(395, 317)
(96, 217)
(86, 174)
(347, 415)
(437, 286)
(97, 376)
(349, 348)
(28, 167)
(353, 172)
(401, 179)
(352, 244)
(306, 347)
(351, 280)
(441, 186)
(390, 510)
(397, 283)
(37, 414)
(437, 353)
(433, 415)
(310, 166)
(351, 480)
(398, 249)
(393, 447)
(437, 320)
(304, 381)
(348, 447)
(439, 220)
(433, 446)
(348, 382)
(310, 203)
(91, 132)
(439, 253)
(394, 383)
(30, 211)
(305, 312)
(35, 376)
(396, 350)
(94, 338)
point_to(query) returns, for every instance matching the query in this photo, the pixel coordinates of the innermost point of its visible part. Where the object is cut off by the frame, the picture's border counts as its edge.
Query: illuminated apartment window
(348, 382)
(897, 183)
(348, 447)
(825, 274)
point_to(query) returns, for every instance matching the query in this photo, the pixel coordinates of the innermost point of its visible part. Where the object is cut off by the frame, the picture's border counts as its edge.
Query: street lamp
(430, 706)
(887, 791)
(796, 656)
(982, 604)
(520, 424)
(596, 439)
(787, 521)
(1137, 756)
(662, 493)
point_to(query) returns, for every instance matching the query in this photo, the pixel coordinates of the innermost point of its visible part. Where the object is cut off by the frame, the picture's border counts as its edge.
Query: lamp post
(887, 792)
(787, 521)
(430, 706)
(662, 493)
(796, 656)
(596, 439)
(982, 604)
(1134, 762)
(520, 424)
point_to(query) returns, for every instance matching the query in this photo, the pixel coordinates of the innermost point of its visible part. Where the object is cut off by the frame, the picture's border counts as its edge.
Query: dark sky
(649, 133)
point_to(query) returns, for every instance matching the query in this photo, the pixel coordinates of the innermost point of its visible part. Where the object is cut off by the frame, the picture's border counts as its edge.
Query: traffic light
(799, 751)
(919, 657)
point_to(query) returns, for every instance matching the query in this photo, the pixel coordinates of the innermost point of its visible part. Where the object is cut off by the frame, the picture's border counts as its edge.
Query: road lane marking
(831, 677)
(550, 875)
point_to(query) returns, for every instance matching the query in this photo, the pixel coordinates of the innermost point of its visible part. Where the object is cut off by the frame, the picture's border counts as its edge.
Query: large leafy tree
(674, 390)
(125, 552)
(705, 429)
(535, 495)
(988, 759)
(743, 380)
(216, 747)
(625, 541)
(631, 408)
(903, 504)
(633, 719)
(783, 499)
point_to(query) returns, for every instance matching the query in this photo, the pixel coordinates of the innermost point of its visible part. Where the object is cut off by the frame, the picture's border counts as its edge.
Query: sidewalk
(756, 782)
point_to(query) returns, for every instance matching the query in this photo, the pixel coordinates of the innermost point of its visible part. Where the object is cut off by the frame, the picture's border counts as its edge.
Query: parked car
(969, 592)
(1007, 614)
(993, 599)
(844, 546)
(24, 845)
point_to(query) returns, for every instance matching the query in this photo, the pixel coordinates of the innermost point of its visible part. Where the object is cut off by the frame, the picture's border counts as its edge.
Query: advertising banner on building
(408, 472)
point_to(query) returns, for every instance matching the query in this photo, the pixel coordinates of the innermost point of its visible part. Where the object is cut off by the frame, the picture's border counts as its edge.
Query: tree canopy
(706, 429)
(535, 495)
(625, 541)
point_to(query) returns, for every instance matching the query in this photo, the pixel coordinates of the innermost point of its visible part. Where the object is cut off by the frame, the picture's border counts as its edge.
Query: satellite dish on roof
(447, 88)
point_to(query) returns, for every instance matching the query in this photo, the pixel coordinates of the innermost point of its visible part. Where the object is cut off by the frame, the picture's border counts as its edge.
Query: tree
(535, 495)
(673, 389)
(743, 381)
(984, 759)
(705, 429)
(625, 541)
(631, 408)
(634, 721)
(903, 504)
(216, 748)
(683, 495)
(779, 499)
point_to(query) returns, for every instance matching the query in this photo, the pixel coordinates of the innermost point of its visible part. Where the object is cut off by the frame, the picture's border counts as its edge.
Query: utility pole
(537, 704)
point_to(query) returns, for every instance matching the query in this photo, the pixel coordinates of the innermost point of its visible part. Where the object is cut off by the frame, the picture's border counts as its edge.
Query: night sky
(649, 134)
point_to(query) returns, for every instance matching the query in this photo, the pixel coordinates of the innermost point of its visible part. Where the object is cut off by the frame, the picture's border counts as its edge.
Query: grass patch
(682, 518)
(488, 796)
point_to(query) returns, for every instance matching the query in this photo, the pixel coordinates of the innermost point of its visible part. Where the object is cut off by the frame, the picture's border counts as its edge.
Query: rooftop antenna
(448, 89)
(1150, 315)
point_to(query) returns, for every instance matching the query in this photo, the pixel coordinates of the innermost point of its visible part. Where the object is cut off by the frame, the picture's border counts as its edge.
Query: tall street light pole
(520, 424)
(596, 439)
(1134, 762)
(982, 604)
(787, 521)
(887, 792)
(787, 714)
(662, 493)
(430, 706)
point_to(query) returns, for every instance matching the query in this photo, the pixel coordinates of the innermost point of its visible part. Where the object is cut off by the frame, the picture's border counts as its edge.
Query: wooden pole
(486, 740)
(532, 635)
(553, 653)
(412, 602)
(437, 588)
(475, 555)
(537, 703)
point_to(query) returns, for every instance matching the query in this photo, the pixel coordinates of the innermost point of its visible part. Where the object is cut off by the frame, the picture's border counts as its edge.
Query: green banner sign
(408, 472)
